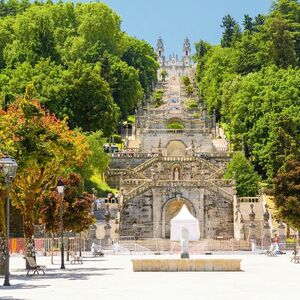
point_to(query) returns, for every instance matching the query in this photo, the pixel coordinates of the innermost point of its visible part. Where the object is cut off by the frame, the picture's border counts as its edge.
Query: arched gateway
(170, 209)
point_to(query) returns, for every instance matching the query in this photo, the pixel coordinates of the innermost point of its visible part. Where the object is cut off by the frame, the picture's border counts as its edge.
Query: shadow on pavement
(69, 274)
(20, 286)
(10, 298)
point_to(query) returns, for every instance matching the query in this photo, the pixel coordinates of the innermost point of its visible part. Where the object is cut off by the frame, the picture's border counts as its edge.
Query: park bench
(96, 251)
(32, 265)
(75, 258)
(270, 253)
(295, 259)
(272, 250)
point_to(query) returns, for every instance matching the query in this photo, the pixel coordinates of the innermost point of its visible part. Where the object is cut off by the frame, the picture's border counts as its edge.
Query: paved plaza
(111, 277)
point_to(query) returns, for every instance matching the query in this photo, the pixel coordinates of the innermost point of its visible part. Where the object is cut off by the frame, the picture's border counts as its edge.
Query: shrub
(175, 125)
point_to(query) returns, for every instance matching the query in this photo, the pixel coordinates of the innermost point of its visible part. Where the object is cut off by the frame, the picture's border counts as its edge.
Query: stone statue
(184, 242)
(176, 174)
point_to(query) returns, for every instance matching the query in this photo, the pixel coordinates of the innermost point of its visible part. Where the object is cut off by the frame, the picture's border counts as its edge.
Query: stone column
(156, 213)
(252, 225)
(107, 228)
(266, 239)
(201, 214)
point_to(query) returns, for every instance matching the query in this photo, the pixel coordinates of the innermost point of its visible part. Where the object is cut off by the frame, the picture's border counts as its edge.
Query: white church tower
(186, 52)
(160, 52)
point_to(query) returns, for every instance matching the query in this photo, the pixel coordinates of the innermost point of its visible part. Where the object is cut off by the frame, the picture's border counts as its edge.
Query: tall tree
(228, 23)
(282, 45)
(287, 193)
(77, 207)
(248, 24)
(142, 57)
(40, 143)
(88, 99)
(125, 86)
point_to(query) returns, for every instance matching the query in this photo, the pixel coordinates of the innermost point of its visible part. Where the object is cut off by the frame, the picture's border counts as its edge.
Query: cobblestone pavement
(111, 277)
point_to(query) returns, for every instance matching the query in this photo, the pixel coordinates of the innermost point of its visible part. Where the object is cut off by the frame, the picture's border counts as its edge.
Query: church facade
(175, 66)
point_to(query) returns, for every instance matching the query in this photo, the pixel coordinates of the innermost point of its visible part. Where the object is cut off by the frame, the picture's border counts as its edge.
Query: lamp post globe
(8, 168)
(60, 190)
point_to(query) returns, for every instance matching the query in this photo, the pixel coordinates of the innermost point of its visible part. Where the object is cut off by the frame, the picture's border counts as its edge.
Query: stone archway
(176, 148)
(170, 210)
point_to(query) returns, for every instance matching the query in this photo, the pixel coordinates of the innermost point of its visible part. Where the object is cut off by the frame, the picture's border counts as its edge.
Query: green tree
(287, 193)
(142, 57)
(189, 90)
(158, 97)
(228, 23)
(240, 169)
(40, 143)
(98, 30)
(282, 48)
(264, 113)
(77, 207)
(163, 75)
(251, 53)
(202, 48)
(259, 21)
(248, 24)
(218, 68)
(97, 163)
(89, 101)
(125, 86)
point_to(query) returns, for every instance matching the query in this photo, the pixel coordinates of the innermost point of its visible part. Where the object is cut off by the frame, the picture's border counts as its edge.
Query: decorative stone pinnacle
(252, 213)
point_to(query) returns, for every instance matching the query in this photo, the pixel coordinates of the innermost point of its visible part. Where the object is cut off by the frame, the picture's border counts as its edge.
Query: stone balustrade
(136, 153)
(223, 182)
(189, 131)
(247, 199)
(135, 181)
(132, 154)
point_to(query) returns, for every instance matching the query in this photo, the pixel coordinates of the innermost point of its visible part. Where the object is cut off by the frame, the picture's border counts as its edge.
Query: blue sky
(176, 19)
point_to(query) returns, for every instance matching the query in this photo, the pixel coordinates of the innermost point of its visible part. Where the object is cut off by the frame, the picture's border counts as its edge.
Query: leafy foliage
(76, 207)
(252, 84)
(158, 97)
(240, 169)
(44, 148)
(163, 75)
(81, 63)
(175, 125)
(287, 193)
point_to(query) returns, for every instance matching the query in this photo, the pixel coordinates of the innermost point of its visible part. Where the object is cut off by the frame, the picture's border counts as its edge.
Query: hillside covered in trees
(68, 76)
(81, 63)
(251, 81)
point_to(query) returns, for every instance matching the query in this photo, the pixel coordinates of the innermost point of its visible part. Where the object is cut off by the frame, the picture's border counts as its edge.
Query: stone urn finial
(252, 213)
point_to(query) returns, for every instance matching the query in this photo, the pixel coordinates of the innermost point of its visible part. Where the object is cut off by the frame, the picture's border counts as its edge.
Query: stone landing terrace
(112, 278)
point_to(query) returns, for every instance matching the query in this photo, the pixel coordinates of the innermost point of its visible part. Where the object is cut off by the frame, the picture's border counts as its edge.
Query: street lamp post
(60, 190)
(8, 167)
